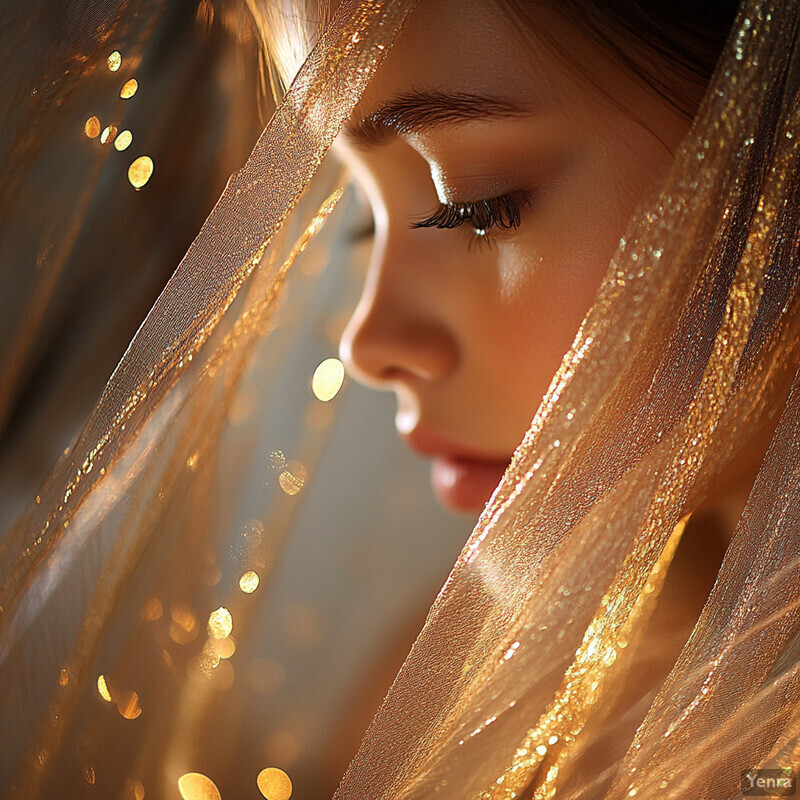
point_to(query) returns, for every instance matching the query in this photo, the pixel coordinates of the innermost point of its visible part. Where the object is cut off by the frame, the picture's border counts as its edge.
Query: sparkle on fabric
(129, 89)
(92, 127)
(274, 784)
(248, 583)
(123, 140)
(139, 171)
(102, 688)
(128, 704)
(328, 379)
(196, 786)
(183, 628)
(225, 648)
(152, 610)
(292, 478)
(220, 623)
(209, 658)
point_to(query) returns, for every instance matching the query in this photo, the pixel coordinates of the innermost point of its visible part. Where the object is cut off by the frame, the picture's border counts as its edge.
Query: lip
(463, 478)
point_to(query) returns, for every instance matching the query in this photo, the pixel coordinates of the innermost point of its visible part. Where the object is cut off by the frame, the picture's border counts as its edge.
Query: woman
(539, 160)
(536, 666)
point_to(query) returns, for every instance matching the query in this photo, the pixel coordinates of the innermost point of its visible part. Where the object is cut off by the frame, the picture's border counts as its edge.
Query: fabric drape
(515, 685)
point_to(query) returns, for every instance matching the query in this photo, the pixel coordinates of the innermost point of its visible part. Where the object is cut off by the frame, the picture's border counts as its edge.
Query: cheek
(547, 283)
(549, 275)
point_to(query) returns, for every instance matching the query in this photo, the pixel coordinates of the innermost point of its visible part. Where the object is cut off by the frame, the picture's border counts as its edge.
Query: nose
(399, 331)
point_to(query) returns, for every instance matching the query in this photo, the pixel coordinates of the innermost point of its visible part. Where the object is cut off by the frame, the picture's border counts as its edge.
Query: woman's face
(527, 175)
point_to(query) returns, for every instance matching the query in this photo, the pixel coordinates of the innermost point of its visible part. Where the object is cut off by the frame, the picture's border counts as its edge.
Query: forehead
(459, 45)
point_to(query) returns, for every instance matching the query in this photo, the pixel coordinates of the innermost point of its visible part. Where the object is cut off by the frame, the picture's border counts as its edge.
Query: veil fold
(515, 685)
(691, 342)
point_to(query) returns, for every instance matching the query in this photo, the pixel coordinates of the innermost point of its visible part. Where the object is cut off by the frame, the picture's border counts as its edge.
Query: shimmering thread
(620, 616)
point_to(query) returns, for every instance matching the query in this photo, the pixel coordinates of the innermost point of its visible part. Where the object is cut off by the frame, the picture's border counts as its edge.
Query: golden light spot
(274, 784)
(88, 775)
(292, 478)
(184, 627)
(103, 689)
(328, 379)
(191, 462)
(108, 134)
(248, 583)
(196, 786)
(129, 89)
(123, 141)
(63, 677)
(135, 789)
(115, 61)
(220, 623)
(152, 610)
(92, 127)
(139, 171)
(128, 704)
(224, 648)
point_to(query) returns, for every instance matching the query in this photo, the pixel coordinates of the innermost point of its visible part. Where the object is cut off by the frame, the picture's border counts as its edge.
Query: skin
(468, 329)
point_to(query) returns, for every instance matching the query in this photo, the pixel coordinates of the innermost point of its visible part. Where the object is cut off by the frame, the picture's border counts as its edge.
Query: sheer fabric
(136, 505)
(513, 682)
(692, 338)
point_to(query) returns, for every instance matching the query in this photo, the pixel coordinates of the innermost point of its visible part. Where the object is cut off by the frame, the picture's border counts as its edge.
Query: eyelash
(502, 212)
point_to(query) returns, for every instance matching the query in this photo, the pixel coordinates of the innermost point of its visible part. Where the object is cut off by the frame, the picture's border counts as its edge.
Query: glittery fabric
(517, 677)
(513, 679)
(138, 483)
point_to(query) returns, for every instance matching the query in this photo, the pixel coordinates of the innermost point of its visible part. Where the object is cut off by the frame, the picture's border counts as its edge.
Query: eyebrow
(415, 112)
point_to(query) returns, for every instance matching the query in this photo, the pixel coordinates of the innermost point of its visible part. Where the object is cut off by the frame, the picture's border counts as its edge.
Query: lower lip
(465, 484)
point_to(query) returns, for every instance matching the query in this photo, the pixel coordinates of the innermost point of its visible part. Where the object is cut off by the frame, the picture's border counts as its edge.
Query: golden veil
(690, 346)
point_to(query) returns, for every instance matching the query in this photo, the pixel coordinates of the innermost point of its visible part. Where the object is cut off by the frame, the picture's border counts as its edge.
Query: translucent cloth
(513, 686)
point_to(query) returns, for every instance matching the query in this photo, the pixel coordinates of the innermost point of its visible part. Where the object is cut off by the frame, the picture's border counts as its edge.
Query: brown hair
(685, 36)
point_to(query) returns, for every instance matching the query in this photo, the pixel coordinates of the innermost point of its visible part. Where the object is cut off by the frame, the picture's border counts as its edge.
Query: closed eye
(502, 212)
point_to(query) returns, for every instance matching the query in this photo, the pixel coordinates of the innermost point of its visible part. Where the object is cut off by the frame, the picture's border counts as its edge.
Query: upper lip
(426, 442)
